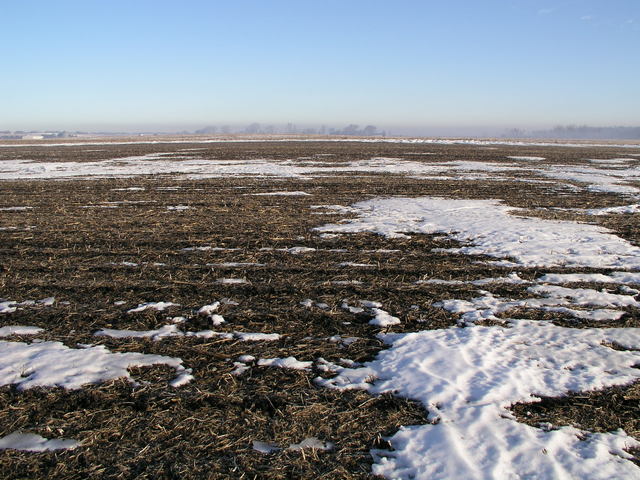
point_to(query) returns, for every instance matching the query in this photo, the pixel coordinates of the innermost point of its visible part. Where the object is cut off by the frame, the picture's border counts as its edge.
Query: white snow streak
(30, 442)
(18, 330)
(160, 306)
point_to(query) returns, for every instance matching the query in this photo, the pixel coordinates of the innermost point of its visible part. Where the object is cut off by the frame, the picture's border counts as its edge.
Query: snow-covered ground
(468, 376)
(488, 227)
(599, 175)
(52, 364)
(465, 376)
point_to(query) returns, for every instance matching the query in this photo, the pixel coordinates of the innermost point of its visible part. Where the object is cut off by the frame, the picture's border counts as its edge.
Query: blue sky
(171, 65)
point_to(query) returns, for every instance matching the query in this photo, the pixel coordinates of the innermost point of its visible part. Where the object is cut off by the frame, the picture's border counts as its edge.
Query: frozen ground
(467, 377)
(600, 177)
(249, 301)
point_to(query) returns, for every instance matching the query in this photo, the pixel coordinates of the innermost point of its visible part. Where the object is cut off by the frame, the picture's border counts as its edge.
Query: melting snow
(343, 341)
(613, 180)
(467, 377)
(235, 264)
(18, 330)
(160, 306)
(240, 368)
(209, 309)
(51, 364)
(8, 306)
(288, 362)
(585, 296)
(351, 309)
(232, 281)
(160, 333)
(173, 330)
(615, 277)
(532, 159)
(265, 447)
(30, 442)
(513, 279)
(490, 228)
(14, 209)
(611, 160)
(293, 194)
(207, 248)
(311, 442)
(256, 337)
(488, 306)
(635, 208)
(346, 282)
(183, 378)
(298, 250)
(370, 304)
(382, 319)
(356, 265)
(597, 179)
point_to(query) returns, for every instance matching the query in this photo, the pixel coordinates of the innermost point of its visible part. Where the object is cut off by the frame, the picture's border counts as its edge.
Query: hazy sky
(168, 64)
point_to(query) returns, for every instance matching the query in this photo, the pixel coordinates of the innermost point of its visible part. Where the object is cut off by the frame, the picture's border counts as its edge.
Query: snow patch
(19, 330)
(522, 157)
(30, 442)
(15, 209)
(557, 299)
(232, 281)
(288, 362)
(624, 209)
(615, 277)
(383, 319)
(311, 442)
(160, 306)
(265, 447)
(489, 228)
(52, 364)
(289, 194)
(468, 377)
(257, 337)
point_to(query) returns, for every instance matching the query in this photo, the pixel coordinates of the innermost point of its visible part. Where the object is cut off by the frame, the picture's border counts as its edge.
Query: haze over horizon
(407, 66)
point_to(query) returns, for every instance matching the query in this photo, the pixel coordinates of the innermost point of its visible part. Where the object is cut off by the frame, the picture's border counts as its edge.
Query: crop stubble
(206, 428)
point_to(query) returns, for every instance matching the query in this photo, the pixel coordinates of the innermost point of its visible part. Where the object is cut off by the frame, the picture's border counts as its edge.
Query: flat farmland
(319, 309)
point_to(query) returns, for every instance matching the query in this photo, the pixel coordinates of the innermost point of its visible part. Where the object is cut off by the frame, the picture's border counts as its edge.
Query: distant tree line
(18, 134)
(575, 132)
(290, 128)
